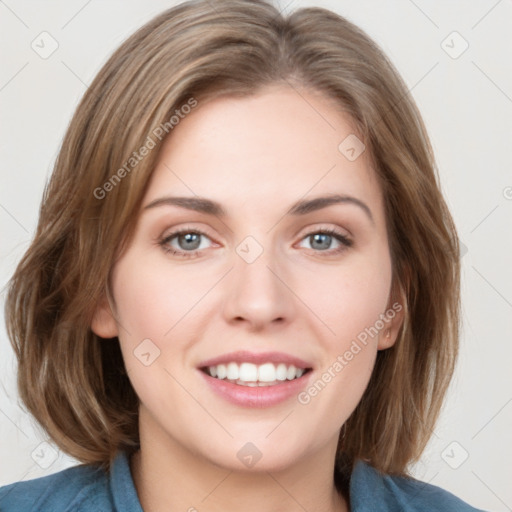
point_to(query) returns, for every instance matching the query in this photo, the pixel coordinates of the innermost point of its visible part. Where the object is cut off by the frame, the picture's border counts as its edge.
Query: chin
(261, 455)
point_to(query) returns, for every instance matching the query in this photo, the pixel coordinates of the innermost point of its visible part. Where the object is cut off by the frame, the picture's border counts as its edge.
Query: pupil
(191, 240)
(321, 237)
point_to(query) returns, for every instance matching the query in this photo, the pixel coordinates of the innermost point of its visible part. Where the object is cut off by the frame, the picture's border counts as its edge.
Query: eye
(321, 241)
(185, 243)
(188, 243)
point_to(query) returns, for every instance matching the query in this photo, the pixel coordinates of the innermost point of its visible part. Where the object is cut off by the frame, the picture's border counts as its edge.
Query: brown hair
(75, 383)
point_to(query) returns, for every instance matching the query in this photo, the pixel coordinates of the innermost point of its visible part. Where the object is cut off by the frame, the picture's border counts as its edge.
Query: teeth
(221, 371)
(233, 371)
(249, 374)
(282, 371)
(267, 372)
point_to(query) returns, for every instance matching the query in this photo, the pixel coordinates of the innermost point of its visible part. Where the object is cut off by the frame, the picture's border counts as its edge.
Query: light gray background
(467, 105)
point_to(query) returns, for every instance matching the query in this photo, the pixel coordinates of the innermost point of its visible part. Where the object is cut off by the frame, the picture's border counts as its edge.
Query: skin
(256, 156)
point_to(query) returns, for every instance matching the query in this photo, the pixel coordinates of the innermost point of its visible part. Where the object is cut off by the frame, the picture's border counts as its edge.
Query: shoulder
(395, 493)
(79, 488)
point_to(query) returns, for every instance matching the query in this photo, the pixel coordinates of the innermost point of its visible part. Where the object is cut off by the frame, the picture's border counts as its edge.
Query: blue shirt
(89, 489)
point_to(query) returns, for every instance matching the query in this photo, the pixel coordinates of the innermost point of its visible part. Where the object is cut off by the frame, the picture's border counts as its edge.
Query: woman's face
(267, 281)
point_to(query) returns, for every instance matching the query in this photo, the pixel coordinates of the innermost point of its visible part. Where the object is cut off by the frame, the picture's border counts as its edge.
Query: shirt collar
(122, 487)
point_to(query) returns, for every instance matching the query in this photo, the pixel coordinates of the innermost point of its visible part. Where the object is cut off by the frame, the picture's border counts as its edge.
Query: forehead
(276, 146)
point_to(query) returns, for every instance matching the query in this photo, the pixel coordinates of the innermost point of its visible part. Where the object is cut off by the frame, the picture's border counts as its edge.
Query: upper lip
(243, 356)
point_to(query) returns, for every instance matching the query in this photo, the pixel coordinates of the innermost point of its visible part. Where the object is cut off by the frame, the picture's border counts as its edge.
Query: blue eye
(187, 243)
(322, 240)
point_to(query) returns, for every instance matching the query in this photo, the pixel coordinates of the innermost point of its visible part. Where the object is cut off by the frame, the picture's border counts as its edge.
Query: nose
(258, 294)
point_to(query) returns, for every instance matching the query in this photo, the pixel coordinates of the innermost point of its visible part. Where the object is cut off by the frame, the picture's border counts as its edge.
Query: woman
(244, 287)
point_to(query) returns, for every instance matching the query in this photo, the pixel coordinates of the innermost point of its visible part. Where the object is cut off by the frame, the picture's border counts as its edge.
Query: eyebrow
(301, 207)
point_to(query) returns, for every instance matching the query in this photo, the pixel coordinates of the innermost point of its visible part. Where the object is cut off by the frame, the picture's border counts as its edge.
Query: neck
(169, 477)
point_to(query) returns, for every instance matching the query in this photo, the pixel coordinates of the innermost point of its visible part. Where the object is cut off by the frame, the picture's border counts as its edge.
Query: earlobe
(394, 318)
(103, 323)
(387, 339)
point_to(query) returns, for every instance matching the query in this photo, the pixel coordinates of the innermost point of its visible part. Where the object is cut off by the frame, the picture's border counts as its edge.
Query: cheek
(151, 300)
(351, 299)
(151, 307)
(350, 302)
(157, 303)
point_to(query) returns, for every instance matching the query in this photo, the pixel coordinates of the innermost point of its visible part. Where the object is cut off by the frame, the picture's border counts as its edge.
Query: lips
(256, 358)
(256, 379)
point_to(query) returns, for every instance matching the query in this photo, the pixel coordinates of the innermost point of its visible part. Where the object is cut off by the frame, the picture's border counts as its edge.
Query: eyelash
(164, 242)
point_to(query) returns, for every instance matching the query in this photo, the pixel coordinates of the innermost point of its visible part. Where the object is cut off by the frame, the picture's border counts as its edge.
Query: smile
(253, 375)
(249, 379)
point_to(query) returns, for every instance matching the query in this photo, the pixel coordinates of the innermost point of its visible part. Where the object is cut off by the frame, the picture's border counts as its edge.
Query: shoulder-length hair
(73, 382)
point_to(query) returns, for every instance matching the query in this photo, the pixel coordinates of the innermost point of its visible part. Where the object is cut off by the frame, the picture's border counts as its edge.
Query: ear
(393, 318)
(103, 323)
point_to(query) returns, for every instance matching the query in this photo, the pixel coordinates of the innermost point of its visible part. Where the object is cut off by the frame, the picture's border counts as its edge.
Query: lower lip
(257, 396)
